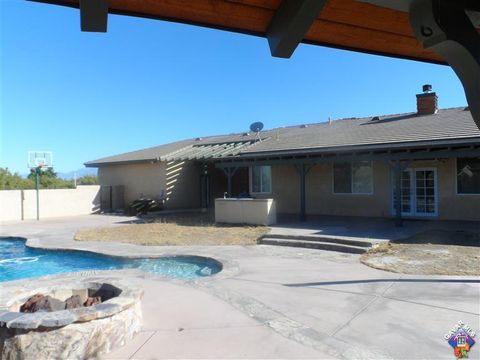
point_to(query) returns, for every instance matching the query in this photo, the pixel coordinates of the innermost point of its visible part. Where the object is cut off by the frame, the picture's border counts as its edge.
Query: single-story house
(348, 167)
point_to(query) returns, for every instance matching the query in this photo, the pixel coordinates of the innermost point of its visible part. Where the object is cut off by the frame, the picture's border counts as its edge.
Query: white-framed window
(468, 176)
(354, 177)
(260, 179)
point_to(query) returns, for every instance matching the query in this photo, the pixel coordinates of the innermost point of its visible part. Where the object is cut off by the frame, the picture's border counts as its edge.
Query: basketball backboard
(40, 159)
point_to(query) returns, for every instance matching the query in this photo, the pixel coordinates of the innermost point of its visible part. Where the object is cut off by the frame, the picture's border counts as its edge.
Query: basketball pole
(37, 181)
(37, 160)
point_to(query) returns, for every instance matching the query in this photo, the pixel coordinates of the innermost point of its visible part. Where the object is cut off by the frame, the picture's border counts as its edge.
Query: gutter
(304, 151)
(124, 162)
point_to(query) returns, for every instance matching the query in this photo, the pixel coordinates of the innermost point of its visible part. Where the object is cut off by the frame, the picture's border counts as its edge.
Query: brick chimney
(427, 103)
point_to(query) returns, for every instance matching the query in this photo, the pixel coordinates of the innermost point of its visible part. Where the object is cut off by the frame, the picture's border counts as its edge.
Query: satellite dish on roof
(256, 126)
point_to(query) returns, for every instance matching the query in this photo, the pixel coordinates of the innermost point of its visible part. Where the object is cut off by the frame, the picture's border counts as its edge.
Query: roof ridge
(326, 122)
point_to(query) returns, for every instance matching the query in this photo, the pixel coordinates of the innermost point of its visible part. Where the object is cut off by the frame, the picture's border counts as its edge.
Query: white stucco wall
(178, 182)
(10, 205)
(53, 202)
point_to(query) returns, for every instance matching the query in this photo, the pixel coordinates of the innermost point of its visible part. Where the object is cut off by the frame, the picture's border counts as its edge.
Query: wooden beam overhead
(342, 24)
(290, 23)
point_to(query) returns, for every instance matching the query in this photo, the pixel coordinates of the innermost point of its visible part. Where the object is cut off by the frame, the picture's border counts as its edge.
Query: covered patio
(397, 157)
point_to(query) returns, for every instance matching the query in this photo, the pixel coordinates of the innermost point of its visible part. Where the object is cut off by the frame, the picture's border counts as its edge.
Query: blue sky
(146, 82)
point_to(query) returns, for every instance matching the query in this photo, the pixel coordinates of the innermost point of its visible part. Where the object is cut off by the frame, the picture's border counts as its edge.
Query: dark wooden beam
(290, 23)
(347, 25)
(93, 15)
(444, 27)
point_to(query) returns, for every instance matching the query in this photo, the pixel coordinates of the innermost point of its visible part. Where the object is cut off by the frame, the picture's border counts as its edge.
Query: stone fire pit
(78, 333)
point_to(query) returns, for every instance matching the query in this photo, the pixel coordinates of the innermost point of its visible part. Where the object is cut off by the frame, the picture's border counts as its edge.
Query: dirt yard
(185, 229)
(432, 253)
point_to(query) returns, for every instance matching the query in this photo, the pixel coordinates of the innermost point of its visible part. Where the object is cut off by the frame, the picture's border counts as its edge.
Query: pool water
(18, 261)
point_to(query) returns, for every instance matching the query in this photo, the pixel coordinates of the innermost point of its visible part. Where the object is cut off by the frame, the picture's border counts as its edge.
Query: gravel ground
(432, 253)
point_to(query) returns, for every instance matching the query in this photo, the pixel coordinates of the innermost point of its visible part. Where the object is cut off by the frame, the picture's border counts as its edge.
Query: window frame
(250, 171)
(455, 174)
(351, 179)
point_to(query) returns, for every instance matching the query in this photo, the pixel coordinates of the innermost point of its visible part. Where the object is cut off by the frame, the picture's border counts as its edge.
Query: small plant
(145, 205)
(385, 247)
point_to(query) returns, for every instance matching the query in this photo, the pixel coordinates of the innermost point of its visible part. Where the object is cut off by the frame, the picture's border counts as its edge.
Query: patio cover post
(229, 172)
(398, 193)
(205, 187)
(302, 170)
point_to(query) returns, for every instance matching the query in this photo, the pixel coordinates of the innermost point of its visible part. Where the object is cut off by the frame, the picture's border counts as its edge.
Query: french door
(418, 192)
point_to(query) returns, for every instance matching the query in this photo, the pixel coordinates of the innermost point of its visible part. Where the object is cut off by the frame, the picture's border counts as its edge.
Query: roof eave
(93, 164)
(366, 147)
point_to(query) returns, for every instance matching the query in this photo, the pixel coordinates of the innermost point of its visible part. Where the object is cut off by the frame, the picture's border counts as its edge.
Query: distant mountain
(78, 173)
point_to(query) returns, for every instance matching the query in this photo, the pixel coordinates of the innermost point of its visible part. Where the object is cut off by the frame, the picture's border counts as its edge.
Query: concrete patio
(275, 302)
(365, 228)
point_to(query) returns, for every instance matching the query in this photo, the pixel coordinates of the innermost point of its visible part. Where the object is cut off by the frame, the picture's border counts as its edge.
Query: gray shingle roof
(149, 154)
(388, 131)
(448, 124)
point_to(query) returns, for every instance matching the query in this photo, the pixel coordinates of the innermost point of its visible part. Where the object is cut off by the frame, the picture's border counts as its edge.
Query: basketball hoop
(41, 167)
(40, 159)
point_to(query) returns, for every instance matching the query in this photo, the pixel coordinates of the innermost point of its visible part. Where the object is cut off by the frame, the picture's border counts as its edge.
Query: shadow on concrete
(444, 237)
(412, 231)
(368, 281)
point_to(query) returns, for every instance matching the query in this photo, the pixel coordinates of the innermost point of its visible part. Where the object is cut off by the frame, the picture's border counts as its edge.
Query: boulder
(73, 302)
(29, 305)
(40, 302)
(92, 301)
(106, 292)
(48, 303)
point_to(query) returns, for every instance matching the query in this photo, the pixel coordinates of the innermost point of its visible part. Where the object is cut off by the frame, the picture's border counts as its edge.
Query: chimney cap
(427, 88)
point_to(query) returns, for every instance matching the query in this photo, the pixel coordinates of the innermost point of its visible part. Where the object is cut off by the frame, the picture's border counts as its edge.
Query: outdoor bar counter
(245, 211)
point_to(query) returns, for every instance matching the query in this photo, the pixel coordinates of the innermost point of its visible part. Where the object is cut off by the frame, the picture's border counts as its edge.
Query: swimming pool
(18, 261)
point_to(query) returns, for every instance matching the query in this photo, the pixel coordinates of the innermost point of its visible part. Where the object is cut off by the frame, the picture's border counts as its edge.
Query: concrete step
(322, 238)
(313, 245)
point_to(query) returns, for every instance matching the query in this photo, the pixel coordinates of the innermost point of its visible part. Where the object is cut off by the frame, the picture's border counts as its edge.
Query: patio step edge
(313, 245)
(322, 238)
